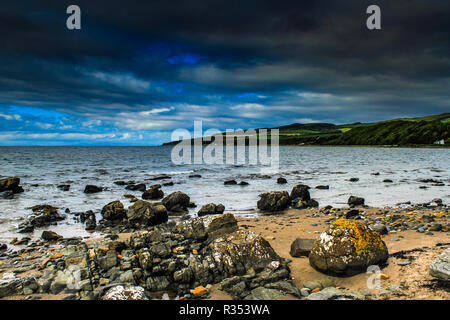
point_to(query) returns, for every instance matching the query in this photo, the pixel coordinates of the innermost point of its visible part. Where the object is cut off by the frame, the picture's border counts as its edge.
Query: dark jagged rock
(64, 187)
(11, 184)
(176, 201)
(354, 201)
(146, 213)
(323, 187)
(281, 180)
(92, 189)
(43, 215)
(230, 182)
(91, 221)
(114, 211)
(273, 201)
(243, 183)
(50, 236)
(300, 193)
(136, 187)
(353, 179)
(153, 193)
(352, 213)
(211, 208)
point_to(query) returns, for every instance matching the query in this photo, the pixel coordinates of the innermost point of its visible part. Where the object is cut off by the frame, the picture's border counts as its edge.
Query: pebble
(404, 263)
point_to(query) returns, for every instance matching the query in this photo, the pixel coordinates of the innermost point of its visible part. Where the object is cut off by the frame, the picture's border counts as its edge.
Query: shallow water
(41, 169)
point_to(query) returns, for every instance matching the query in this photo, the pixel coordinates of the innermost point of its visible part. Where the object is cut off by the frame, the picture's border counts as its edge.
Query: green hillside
(396, 132)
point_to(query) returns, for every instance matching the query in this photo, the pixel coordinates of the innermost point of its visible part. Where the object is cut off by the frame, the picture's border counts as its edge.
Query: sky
(137, 71)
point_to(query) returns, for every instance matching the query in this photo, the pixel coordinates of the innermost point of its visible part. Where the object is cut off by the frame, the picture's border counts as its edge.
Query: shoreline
(280, 229)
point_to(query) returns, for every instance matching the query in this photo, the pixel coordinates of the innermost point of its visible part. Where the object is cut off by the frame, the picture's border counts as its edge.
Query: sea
(42, 169)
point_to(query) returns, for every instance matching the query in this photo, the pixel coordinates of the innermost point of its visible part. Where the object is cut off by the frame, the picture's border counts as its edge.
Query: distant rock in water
(323, 187)
(64, 187)
(300, 192)
(11, 184)
(353, 179)
(211, 208)
(243, 183)
(92, 189)
(347, 248)
(230, 182)
(43, 215)
(281, 180)
(153, 193)
(273, 201)
(136, 187)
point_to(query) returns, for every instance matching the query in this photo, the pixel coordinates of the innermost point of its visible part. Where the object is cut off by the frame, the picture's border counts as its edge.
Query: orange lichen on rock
(362, 237)
(199, 291)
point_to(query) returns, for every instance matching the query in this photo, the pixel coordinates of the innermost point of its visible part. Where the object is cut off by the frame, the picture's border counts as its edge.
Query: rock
(114, 211)
(261, 293)
(273, 201)
(11, 285)
(301, 247)
(438, 201)
(435, 227)
(11, 184)
(240, 251)
(321, 283)
(211, 208)
(281, 180)
(300, 192)
(440, 267)
(355, 201)
(50, 236)
(147, 213)
(353, 179)
(3, 246)
(230, 182)
(404, 263)
(352, 213)
(43, 215)
(323, 187)
(125, 293)
(348, 247)
(120, 183)
(64, 187)
(136, 187)
(387, 181)
(92, 189)
(153, 193)
(243, 183)
(379, 227)
(176, 201)
(91, 221)
(329, 293)
(209, 227)
(195, 176)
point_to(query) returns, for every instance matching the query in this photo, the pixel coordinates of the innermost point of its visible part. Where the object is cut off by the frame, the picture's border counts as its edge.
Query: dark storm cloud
(153, 66)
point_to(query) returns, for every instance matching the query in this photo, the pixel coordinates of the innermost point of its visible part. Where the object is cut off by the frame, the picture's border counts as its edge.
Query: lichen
(362, 238)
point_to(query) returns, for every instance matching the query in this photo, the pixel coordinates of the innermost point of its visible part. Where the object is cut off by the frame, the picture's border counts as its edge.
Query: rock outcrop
(211, 208)
(273, 201)
(440, 267)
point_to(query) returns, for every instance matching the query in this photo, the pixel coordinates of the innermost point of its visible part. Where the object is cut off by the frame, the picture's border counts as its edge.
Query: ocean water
(41, 169)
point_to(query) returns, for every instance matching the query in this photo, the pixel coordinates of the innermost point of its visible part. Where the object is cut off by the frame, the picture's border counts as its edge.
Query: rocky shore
(294, 250)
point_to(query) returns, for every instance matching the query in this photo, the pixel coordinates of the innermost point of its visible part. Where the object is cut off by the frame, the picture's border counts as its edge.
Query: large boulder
(114, 211)
(273, 201)
(153, 193)
(146, 213)
(211, 208)
(176, 201)
(300, 192)
(11, 184)
(440, 267)
(242, 250)
(348, 247)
